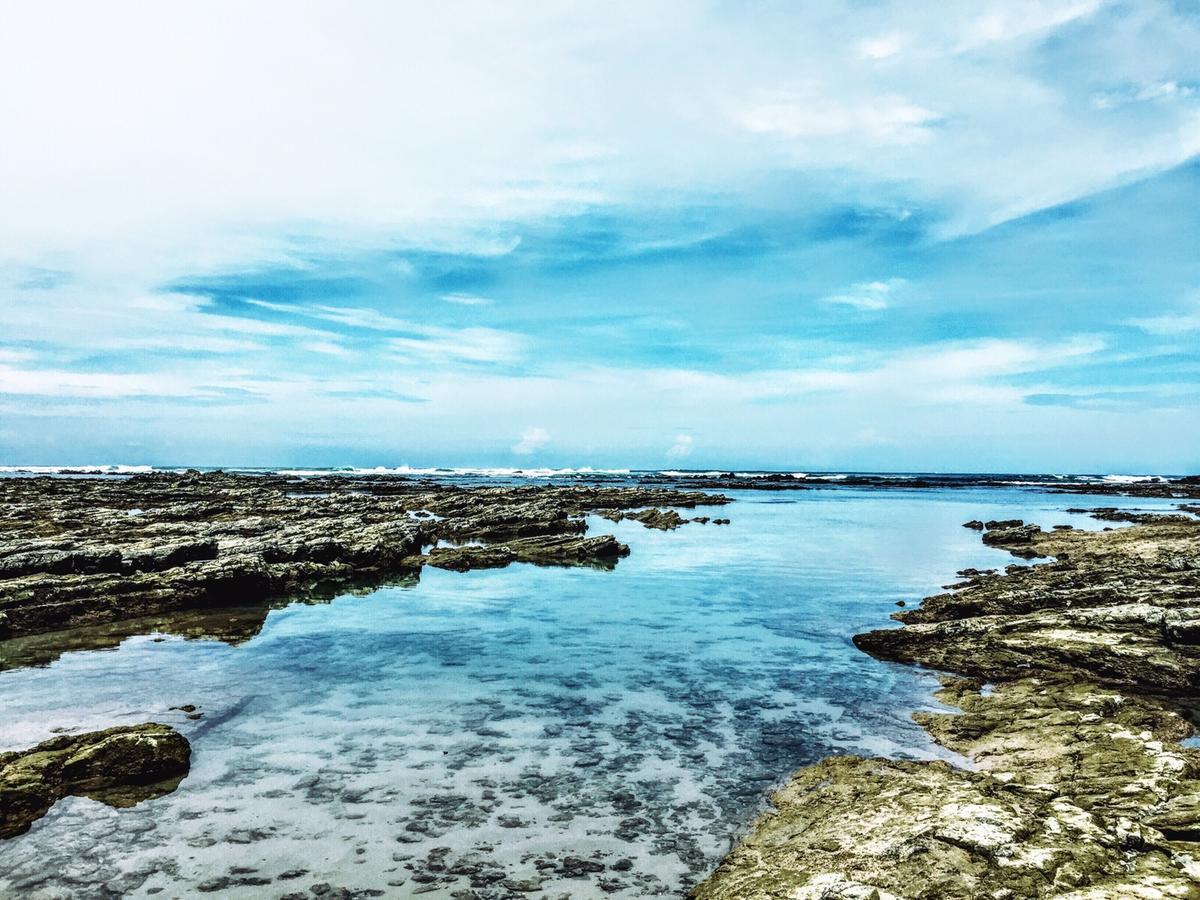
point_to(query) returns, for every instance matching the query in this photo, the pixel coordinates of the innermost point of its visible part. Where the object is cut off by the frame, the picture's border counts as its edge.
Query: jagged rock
(119, 766)
(1073, 787)
(602, 551)
(1013, 538)
(662, 519)
(1120, 606)
(874, 828)
(1112, 514)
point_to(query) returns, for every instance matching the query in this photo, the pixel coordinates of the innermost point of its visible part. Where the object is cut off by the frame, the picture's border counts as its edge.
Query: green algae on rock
(119, 766)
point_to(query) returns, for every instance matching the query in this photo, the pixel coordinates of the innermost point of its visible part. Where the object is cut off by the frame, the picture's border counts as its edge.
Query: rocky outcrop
(86, 551)
(1074, 784)
(1074, 792)
(1122, 607)
(1112, 514)
(662, 519)
(119, 766)
(601, 552)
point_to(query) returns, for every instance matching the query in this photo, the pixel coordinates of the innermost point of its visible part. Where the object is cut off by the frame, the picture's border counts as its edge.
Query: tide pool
(518, 732)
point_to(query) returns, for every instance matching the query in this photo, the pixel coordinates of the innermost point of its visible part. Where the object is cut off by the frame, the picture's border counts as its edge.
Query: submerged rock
(119, 766)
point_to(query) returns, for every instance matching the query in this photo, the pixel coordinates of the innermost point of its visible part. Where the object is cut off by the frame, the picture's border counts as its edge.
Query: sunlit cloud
(868, 295)
(682, 448)
(532, 440)
(923, 230)
(466, 300)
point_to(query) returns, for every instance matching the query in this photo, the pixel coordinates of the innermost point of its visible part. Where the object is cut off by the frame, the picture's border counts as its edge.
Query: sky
(908, 236)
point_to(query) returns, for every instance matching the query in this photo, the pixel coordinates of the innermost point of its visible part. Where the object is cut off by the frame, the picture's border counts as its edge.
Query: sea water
(549, 732)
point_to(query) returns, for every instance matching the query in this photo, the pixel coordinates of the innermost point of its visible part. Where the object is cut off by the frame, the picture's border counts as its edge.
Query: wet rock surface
(84, 551)
(1120, 606)
(119, 766)
(1074, 782)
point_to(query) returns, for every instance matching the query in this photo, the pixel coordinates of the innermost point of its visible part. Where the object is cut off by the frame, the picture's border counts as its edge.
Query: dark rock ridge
(602, 552)
(1112, 514)
(1180, 488)
(1076, 786)
(84, 551)
(118, 766)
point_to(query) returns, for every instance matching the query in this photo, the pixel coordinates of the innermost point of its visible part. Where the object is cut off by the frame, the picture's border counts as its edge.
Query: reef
(1073, 782)
(88, 551)
(119, 766)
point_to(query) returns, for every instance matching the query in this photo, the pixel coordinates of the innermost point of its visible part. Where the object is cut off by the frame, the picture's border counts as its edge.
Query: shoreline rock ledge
(1082, 674)
(77, 552)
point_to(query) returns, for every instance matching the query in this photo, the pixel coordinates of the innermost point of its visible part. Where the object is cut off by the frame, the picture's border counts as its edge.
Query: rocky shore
(1081, 678)
(86, 551)
(86, 562)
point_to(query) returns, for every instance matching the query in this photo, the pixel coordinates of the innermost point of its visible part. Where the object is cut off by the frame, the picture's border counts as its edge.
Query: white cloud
(470, 345)
(326, 348)
(881, 47)
(532, 440)
(939, 402)
(1169, 324)
(65, 383)
(682, 448)
(816, 114)
(466, 300)
(1006, 21)
(1172, 323)
(868, 295)
(413, 341)
(14, 356)
(171, 156)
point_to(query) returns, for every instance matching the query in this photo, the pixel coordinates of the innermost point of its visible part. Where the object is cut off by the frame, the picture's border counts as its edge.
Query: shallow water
(521, 732)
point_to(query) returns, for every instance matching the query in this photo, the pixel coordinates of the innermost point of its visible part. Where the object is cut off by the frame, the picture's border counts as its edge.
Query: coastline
(1024, 734)
(1071, 716)
(95, 551)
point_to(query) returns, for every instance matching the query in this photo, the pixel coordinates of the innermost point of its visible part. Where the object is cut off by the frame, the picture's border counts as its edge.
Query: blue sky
(845, 235)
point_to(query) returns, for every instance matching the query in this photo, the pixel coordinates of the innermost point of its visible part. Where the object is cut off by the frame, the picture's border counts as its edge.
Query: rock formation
(118, 766)
(82, 551)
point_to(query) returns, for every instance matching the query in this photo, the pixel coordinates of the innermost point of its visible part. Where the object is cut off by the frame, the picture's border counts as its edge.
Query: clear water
(522, 732)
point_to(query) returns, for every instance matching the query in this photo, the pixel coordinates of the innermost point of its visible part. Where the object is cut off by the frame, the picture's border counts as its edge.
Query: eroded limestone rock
(1120, 606)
